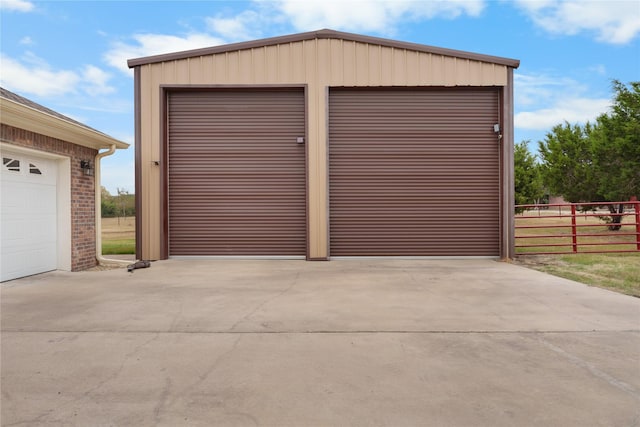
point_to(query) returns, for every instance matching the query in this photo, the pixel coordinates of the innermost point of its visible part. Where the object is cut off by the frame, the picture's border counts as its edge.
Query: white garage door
(28, 216)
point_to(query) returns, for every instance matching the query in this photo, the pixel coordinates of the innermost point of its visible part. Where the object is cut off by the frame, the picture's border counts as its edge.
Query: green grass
(118, 236)
(616, 272)
(619, 272)
(119, 247)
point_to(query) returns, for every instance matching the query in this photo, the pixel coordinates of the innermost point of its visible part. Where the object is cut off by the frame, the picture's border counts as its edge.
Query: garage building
(49, 178)
(324, 144)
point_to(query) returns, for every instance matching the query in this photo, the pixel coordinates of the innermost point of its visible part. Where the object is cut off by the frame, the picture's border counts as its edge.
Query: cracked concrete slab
(358, 342)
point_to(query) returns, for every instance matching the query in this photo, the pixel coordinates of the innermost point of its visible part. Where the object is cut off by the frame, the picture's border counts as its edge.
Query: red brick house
(49, 186)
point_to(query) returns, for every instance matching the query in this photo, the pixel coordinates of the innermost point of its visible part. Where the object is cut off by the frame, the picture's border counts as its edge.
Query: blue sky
(71, 55)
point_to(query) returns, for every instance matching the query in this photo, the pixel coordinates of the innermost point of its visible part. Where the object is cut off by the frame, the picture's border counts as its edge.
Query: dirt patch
(118, 228)
(106, 267)
(113, 266)
(533, 261)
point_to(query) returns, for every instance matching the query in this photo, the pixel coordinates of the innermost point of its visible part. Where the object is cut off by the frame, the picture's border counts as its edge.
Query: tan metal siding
(318, 64)
(236, 173)
(414, 172)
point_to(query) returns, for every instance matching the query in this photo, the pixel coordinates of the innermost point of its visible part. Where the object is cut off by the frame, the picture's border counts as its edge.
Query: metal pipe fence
(577, 228)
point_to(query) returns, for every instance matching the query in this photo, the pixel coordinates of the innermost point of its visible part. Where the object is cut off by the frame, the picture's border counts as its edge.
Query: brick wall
(83, 237)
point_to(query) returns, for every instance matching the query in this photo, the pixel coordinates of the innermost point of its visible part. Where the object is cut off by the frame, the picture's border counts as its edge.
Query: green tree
(599, 162)
(616, 150)
(567, 163)
(125, 204)
(107, 204)
(616, 145)
(528, 182)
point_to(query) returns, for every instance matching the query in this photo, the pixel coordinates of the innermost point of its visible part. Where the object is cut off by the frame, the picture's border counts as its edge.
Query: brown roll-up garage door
(414, 172)
(236, 173)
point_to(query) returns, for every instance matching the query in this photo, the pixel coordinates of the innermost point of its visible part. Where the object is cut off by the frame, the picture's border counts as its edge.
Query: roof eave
(24, 117)
(321, 34)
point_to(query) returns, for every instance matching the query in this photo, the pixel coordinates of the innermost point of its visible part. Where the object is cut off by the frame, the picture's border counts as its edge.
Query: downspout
(98, 197)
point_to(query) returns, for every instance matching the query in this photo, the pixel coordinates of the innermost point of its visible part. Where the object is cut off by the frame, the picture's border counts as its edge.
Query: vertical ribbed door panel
(236, 173)
(414, 172)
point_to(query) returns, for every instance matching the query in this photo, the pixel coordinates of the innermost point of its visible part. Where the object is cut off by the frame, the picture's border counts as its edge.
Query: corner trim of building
(138, 161)
(507, 243)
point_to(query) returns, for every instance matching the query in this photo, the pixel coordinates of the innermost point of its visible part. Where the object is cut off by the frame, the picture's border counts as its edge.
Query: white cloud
(33, 75)
(38, 80)
(600, 69)
(543, 101)
(245, 26)
(16, 5)
(381, 16)
(27, 41)
(155, 44)
(532, 89)
(613, 21)
(34, 60)
(576, 110)
(95, 81)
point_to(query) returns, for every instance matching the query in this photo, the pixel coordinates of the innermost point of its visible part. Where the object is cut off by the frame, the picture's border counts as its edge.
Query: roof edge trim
(321, 34)
(28, 118)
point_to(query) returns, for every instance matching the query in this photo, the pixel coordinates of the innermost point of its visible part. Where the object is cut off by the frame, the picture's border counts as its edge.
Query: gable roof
(21, 112)
(322, 34)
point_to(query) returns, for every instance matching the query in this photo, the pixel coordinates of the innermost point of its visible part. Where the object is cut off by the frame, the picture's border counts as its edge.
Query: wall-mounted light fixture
(86, 167)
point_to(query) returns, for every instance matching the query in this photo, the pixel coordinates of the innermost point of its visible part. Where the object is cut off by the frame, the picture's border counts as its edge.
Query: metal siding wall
(414, 172)
(150, 123)
(289, 63)
(236, 173)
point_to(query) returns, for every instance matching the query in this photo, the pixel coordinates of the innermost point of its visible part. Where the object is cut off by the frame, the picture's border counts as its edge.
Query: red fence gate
(568, 228)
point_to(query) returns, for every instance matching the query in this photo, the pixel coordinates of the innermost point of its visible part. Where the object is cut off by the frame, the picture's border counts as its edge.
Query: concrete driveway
(294, 343)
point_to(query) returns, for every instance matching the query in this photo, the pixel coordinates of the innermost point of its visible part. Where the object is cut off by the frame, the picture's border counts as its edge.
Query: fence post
(636, 206)
(574, 229)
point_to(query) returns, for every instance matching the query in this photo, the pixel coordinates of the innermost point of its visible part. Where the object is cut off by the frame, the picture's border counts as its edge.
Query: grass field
(118, 236)
(616, 271)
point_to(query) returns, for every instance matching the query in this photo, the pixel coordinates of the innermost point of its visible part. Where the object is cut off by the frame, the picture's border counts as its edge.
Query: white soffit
(21, 116)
